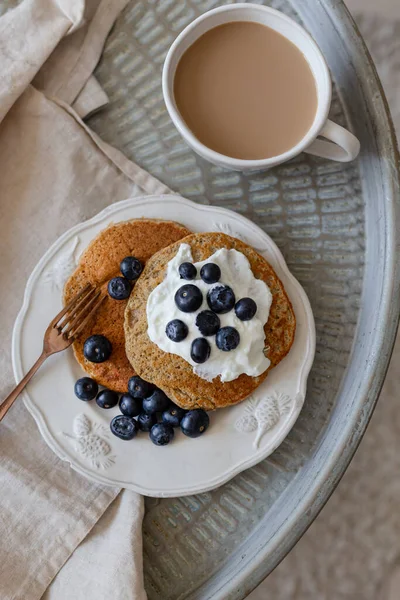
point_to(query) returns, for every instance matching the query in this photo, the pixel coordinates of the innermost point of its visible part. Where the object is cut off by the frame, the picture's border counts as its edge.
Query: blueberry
(221, 299)
(210, 273)
(188, 298)
(176, 330)
(200, 350)
(124, 427)
(245, 309)
(208, 322)
(86, 388)
(187, 271)
(157, 402)
(195, 422)
(97, 348)
(139, 388)
(130, 406)
(107, 398)
(131, 267)
(161, 434)
(119, 288)
(227, 339)
(146, 421)
(173, 415)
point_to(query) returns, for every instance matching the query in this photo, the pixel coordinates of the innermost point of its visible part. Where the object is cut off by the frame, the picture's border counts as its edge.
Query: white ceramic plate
(78, 432)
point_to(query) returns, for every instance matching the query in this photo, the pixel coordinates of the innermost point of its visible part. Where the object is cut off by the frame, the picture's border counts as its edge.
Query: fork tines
(73, 318)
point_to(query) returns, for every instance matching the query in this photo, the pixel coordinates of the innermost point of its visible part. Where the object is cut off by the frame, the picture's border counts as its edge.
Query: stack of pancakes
(124, 322)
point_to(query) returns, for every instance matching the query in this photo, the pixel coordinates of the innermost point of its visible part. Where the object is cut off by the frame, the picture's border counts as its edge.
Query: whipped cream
(248, 357)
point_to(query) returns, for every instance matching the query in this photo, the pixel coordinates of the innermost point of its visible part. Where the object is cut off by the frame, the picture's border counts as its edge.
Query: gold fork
(60, 334)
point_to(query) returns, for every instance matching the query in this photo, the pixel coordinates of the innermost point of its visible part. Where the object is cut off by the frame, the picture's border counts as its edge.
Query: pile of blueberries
(144, 408)
(220, 299)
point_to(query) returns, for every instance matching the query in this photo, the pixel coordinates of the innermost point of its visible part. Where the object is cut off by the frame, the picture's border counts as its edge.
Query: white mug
(342, 146)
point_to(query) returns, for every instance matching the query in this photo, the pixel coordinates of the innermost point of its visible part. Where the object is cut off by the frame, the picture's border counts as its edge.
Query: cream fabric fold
(74, 59)
(90, 99)
(29, 33)
(108, 563)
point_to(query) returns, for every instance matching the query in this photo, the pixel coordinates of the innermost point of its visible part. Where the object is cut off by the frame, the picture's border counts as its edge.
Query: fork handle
(9, 401)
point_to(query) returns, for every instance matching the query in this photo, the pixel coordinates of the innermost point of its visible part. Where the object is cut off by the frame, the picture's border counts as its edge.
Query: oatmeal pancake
(172, 373)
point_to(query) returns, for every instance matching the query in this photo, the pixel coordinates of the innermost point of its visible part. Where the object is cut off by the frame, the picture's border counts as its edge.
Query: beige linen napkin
(55, 173)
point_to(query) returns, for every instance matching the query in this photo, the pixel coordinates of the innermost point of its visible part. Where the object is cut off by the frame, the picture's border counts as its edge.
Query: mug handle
(342, 146)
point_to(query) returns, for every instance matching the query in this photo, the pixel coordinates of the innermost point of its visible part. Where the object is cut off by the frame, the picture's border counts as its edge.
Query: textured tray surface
(315, 211)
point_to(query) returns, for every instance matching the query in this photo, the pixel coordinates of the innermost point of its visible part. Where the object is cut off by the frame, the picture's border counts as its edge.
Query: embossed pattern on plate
(312, 208)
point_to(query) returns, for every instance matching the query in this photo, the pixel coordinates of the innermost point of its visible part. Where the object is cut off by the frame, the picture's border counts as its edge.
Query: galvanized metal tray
(337, 226)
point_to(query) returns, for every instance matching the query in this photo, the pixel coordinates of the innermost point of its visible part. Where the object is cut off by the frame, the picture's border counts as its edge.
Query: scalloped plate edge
(40, 418)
